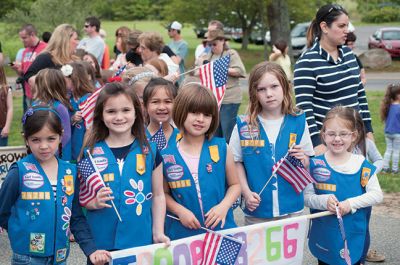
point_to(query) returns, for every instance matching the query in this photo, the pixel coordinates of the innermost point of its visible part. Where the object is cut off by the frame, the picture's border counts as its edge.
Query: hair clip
(140, 76)
(27, 114)
(31, 110)
(67, 70)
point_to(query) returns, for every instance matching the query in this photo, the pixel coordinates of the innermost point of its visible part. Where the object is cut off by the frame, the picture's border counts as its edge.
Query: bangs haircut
(195, 98)
(158, 83)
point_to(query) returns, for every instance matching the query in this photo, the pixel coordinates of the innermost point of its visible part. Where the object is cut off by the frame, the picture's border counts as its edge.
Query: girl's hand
(188, 219)
(252, 201)
(298, 153)
(100, 257)
(4, 132)
(344, 207)
(161, 238)
(102, 197)
(77, 117)
(331, 204)
(215, 215)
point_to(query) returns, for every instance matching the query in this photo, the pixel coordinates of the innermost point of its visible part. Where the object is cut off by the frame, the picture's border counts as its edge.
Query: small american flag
(219, 249)
(346, 254)
(293, 171)
(90, 181)
(87, 108)
(214, 76)
(159, 138)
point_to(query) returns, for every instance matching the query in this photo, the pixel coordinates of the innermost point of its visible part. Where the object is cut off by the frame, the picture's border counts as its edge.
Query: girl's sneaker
(374, 256)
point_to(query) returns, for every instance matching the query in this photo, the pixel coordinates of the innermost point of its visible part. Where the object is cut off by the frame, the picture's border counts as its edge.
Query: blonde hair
(256, 74)
(50, 85)
(152, 40)
(59, 44)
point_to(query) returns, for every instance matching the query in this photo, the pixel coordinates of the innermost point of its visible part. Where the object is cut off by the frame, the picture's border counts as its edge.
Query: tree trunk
(279, 22)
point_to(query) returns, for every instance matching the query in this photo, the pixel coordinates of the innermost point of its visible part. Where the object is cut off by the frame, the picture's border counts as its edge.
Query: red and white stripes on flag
(293, 171)
(90, 181)
(87, 108)
(214, 75)
(210, 250)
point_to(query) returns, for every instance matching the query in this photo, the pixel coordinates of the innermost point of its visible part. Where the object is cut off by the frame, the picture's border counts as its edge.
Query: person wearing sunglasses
(217, 42)
(93, 43)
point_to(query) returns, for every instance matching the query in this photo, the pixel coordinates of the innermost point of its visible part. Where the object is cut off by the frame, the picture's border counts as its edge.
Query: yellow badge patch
(108, 177)
(40, 195)
(214, 153)
(256, 143)
(365, 174)
(69, 184)
(140, 164)
(325, 186)
(179, 184)
(292, 139)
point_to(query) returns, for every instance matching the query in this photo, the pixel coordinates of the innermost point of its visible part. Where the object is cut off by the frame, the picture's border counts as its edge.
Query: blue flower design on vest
(138, 197)
(66, 218)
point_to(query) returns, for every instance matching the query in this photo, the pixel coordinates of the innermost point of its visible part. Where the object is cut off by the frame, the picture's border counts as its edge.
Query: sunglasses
(86, 26)
(212, 44)
(335, 7)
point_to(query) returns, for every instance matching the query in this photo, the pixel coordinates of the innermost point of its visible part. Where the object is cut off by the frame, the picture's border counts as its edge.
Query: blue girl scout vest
(212, 181)
(259, 155)
(325, 241)
(78, 130)
(130, 182)
(38, 225)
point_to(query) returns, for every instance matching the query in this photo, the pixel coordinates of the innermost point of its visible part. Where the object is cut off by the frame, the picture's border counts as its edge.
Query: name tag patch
(175, 172)
(33, 180)
(101, 163)
(249, 133)
(321, 174)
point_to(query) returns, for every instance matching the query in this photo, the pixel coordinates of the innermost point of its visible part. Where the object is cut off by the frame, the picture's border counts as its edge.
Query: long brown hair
(392, 92)
(99, 130)
(256, 74)
(80, 80)
(50, 85)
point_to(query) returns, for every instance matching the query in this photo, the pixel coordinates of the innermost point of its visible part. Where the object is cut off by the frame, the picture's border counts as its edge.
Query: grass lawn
(389, 183)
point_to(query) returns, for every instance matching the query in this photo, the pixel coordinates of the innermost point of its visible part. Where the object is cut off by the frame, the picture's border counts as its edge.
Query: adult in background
(123, 48)
(151, 46)
(33, 46)
(280, 56)
(121, 31)
(133, 55)
(233, 93)
(46, 36)
(178, 46)
(327, 74)
(105, 63)
(351, 43)
(93, 43)
(59, 51)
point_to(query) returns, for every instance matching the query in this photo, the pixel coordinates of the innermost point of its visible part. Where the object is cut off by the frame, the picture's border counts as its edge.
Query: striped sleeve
(364, 110)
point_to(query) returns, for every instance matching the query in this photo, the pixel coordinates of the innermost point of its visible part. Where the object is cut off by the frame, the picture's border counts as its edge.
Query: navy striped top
(320, 83)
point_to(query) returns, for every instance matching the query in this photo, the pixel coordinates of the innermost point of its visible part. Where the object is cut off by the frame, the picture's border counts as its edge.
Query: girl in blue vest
(131, 170)
(79, 88)
(51, 90)
(344, 180)
(200, 180)
(266, 133)
(36, 196)
(158, 98)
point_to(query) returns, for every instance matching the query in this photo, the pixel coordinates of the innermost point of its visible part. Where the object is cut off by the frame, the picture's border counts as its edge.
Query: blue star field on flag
(228, 251)
(159, 138)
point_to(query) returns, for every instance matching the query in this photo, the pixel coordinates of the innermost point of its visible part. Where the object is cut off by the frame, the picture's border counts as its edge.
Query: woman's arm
(6, 129)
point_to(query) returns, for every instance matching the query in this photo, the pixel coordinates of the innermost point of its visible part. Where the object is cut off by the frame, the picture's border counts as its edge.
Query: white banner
(9, 155)
(274, 243)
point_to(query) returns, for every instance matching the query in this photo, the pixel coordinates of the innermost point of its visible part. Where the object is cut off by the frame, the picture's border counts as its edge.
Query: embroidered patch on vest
(37, 242)
(169, 159)
(248, 132)
(61, 254)
(321, 174)
(175, 172)
(30, 166)
(365, 174)
(179, 184)
(255, 143)
(319, 162)
(292, 139)
(98, 151)
(69, 184)
(214, 153)
(101, 163)
(66, 218)
(341, 253)
(325, 186)
(108, 177)
(28, 195)
(33, 180)
(140, 164)
(138, 197)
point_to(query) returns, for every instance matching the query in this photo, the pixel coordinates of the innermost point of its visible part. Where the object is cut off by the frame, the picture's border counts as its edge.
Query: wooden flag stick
(192, 70)
(320, 214)
(209, 230)
(274, 171)
(98, 172)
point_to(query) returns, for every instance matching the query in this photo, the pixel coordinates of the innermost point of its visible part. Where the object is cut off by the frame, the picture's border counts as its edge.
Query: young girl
(280, 56)
(36, 196)
(200, 180)
(80, 88)
(390, 114)
(344, 180)
(266, 134)
(51, 90)
(131, 170)
(6, 108)
(158, 98)
(90, 58)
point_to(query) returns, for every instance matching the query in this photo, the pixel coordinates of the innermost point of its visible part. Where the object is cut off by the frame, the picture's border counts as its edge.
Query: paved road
(384, 233)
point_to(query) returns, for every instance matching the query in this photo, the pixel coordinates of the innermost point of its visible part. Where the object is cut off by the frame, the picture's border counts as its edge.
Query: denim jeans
(367, 241)
(227, 120)
(3, 140)
(18, 259)
(392, 151)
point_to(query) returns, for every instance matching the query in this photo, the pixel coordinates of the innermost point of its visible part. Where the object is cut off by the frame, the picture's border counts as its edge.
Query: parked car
(299, 38)
(387, 39)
